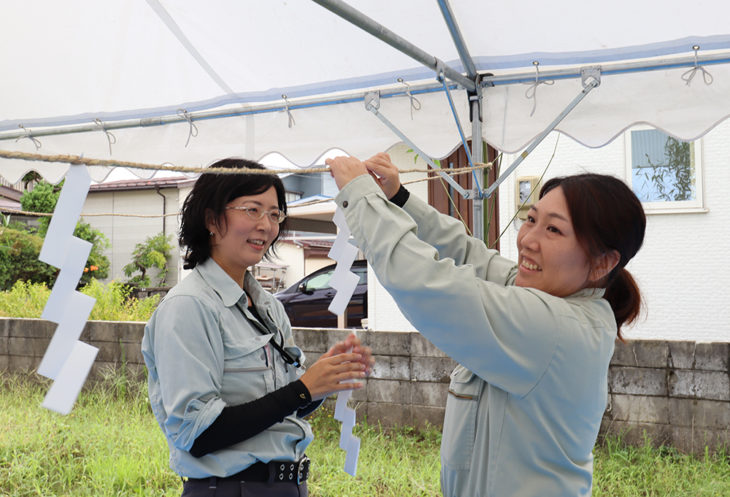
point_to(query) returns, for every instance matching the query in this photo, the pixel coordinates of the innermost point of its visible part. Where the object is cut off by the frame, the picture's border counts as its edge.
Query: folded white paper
(67, 361)
(62, 394)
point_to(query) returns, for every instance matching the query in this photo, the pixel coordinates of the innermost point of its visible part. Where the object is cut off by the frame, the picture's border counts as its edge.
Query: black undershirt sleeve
(401, 196)
(237, 423)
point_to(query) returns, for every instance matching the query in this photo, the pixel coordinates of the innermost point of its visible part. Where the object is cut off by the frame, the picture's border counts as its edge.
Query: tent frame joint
(590, 72)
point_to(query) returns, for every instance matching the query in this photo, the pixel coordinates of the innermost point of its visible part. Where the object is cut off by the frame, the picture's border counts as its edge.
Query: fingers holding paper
(331, 374)
(386, 173)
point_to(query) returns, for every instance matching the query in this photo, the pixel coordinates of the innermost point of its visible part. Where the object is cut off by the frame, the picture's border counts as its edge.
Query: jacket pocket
(247, 372)
(460, 419)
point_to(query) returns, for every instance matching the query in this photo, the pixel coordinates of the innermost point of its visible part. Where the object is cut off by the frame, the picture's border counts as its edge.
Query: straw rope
(78, 160)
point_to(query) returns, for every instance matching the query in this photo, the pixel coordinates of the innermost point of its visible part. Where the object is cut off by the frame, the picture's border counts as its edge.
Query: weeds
(110, 445)
(113, 301)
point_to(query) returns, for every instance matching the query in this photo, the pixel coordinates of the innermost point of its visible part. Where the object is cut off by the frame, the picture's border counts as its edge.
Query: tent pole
(471, 70)
(477, 155)
(211, 114)
(477, 146)
(379, 31)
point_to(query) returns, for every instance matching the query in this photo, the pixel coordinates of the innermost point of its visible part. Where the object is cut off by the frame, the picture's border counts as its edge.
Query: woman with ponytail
(533, 339)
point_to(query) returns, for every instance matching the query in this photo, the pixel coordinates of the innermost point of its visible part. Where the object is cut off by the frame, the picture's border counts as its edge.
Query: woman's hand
(352, 344)
(327, 375)
(345, 169)
(336, 365)
(386, 173)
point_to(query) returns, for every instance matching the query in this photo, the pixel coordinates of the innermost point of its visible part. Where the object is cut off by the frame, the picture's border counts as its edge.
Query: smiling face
(238, 241)
(550, 256)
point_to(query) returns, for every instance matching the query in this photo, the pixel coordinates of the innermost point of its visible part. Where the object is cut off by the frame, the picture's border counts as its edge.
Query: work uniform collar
(226, 288)
(587, 293)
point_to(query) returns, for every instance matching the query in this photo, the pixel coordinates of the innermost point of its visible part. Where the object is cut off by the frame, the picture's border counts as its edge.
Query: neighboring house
(158, 199)
(10, 201)
(9, 198)
(302, 256)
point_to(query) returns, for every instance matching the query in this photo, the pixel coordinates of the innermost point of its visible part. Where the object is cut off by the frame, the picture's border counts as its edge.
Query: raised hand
(386, 173)
(344, 169)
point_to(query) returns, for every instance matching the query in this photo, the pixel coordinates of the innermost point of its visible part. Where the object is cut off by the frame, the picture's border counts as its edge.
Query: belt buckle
(302, 470)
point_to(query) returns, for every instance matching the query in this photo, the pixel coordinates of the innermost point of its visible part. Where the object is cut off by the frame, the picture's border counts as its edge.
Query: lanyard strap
(288, 358)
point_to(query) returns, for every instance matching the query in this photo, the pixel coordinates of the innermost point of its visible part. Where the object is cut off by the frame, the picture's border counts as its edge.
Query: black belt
(274, 471)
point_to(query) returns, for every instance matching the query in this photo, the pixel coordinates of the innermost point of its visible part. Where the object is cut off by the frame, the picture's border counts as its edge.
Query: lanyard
(286, 356)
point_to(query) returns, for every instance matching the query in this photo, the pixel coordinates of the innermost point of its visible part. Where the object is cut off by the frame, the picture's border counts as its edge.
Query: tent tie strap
(287, 108)
(109, 135)
(192, 128)
(29, 136)
(415, 103)
(687, 76)
(531, 92)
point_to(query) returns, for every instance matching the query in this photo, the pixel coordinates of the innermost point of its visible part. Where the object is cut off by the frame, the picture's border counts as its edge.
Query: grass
(110, 445)
(113, 301)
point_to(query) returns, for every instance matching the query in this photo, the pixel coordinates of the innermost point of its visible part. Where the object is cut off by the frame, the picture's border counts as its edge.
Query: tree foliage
(19, 259)
(43, 198)
(152, 253)
(673, 179)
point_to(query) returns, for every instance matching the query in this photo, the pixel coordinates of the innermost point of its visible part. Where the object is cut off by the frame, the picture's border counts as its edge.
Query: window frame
(671, 206)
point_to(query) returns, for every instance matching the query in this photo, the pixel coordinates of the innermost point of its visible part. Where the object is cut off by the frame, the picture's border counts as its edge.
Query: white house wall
(383, 313)
(292, 257)
(680, 268)
(125, 232)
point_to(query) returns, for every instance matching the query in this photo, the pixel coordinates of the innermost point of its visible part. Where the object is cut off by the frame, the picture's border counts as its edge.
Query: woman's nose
(265, 222)
(530, 239)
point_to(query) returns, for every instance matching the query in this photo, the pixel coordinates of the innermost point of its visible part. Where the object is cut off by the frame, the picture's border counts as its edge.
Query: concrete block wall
(676, 392)
(409, 382)
(23, 342)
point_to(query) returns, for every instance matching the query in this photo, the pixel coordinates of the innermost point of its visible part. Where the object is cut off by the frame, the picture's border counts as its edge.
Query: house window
(665, 173)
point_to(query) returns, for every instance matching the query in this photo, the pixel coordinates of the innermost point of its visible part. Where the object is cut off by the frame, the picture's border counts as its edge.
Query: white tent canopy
(69, 64)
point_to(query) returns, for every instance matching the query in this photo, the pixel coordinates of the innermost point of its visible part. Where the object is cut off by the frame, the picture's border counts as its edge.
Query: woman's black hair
(606, 216)
(208, 199)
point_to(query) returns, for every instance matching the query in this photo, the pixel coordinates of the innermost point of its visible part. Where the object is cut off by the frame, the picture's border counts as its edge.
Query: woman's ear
(603, 265)
(210, 222)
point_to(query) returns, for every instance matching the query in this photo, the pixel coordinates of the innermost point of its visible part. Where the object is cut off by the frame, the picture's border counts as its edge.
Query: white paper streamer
(67, 360)
(344, 281)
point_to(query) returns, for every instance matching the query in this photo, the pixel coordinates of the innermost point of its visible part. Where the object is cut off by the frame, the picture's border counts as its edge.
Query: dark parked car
(307, 300)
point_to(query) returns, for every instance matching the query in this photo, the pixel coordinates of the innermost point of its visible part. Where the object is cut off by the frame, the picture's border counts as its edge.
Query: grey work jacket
(204, 350)
(525, 404)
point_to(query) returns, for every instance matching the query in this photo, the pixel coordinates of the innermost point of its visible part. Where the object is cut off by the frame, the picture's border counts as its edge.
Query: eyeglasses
(256, 213)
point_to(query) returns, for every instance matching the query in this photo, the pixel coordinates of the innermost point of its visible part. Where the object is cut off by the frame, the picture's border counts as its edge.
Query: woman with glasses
(226, 381)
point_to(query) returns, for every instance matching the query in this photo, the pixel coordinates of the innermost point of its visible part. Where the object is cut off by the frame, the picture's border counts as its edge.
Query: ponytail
(623, 294)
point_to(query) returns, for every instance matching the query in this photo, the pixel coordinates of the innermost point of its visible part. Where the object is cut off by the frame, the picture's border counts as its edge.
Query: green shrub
(24, 300)
(43, 198)
(113, 301)
(97, 265)
(152, 253)
(19, 259)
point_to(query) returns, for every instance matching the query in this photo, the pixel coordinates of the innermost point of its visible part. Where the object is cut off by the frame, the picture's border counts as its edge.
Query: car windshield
(320, 281)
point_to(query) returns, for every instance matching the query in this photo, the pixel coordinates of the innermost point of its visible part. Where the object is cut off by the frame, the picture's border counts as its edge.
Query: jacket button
(345, 204)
